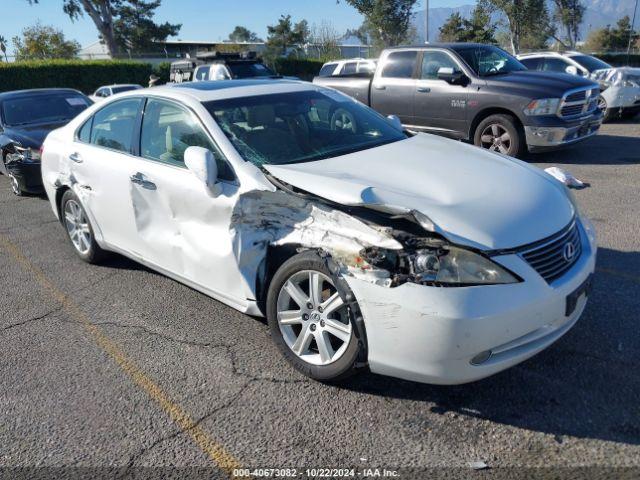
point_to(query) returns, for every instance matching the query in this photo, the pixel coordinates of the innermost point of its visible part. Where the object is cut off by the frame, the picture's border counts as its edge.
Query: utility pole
(633, 22)
(426, 21)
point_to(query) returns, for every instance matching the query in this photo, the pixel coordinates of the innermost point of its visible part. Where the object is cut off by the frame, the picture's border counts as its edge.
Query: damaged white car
(417, 256)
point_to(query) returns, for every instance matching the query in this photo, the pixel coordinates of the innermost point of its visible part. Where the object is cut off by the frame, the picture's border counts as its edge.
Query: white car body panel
(475, 205)
(619, 94)
(218, 244)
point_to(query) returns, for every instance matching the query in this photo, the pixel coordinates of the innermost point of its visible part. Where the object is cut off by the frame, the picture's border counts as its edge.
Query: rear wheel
(500, 133)
(309, 321)
(79, 229)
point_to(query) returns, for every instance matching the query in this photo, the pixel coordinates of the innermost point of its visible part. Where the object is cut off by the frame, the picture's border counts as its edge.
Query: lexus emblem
(569, 251)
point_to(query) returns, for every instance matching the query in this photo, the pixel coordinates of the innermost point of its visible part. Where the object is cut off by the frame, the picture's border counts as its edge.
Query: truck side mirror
(453, 77)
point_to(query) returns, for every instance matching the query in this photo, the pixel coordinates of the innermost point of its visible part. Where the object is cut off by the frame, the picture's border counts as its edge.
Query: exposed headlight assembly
(446, 266)
(458, 266)
(542, 106)
(24, 155)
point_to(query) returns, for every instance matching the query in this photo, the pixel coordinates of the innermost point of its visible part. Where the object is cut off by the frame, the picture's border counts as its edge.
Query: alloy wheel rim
(77, 226)
(313, 318)
(602, 104)
(496, 138)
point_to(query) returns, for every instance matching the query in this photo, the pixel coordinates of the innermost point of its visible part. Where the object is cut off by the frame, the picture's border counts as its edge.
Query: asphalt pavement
(117, 366)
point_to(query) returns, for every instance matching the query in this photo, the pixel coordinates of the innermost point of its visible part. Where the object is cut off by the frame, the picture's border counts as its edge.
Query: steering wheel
(343, 119)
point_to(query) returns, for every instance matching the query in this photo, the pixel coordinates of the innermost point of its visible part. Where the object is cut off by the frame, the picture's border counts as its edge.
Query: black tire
(94, 254)
(346, 364)
(490, 132)
(629, 115)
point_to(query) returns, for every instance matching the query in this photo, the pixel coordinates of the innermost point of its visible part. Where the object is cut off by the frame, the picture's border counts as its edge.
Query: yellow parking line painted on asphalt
(618, 273)
(216, 452)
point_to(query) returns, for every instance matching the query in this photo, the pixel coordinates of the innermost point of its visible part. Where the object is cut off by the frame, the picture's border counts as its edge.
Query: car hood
(32, 136)
(473, 197)
(548, 83)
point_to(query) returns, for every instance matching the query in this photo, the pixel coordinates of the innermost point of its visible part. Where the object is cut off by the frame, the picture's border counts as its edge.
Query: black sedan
(26, 117)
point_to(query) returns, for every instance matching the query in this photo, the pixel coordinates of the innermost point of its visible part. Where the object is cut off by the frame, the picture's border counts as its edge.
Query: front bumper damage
(548, 134)
(458, 335)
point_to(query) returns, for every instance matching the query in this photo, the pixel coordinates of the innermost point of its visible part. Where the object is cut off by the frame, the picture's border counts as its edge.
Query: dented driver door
(181, 228)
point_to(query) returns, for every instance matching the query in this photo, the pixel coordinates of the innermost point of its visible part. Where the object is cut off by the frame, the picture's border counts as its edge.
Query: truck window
(202, 73)
(327, 70)
(348, 68)
(555, 65)
(400, 64)
(434, 61)
(532, 63)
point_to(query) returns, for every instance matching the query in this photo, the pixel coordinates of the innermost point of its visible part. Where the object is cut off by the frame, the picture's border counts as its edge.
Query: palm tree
(3, 47)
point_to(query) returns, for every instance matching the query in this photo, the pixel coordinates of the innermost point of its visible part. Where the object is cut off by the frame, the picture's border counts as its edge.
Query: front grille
(554, 256)
(576, 96)
(571, 110)
(578, 102)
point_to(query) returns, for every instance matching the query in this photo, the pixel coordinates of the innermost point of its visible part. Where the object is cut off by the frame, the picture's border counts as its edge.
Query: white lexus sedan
(364, 245)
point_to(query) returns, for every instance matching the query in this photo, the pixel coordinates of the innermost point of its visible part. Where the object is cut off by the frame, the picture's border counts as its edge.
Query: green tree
(527, 21)
(135, 30)
(477, 29)
(101, 12)
(568, 14)
(243, 34)
(286, 34)
(453, 29)
(41, 42)
(3, 47)
(608, 38)
(389, 20)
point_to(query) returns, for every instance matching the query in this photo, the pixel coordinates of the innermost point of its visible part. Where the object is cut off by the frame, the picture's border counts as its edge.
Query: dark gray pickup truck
(478, 93)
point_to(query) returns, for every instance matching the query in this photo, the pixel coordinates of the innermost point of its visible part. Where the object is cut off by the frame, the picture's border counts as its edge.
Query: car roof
(36, 91)
(550, 54)
(120, 85)
(222, 89)
(446, 45)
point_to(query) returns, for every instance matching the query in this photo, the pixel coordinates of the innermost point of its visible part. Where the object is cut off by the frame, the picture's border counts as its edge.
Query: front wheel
(309, 321)
(15, 186)
(607, 113)
(500, 133)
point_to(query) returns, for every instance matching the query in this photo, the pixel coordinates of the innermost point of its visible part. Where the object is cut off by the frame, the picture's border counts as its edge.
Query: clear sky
(201, 19)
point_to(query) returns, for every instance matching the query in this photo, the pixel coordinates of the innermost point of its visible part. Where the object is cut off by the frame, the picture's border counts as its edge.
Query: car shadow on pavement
(586, 385)
(603, 149)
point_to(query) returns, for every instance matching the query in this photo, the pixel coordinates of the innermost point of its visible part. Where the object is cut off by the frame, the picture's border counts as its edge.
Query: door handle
(139, 179)
(75, 157)
(424, 89)
(380, 87)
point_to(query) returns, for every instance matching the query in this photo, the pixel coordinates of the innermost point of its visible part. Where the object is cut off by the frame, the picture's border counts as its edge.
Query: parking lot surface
(118, 366)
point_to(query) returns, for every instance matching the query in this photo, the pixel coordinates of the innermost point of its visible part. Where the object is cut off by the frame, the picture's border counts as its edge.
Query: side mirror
(395, 122)
(202, 164)
(571, 70)
(450, 76)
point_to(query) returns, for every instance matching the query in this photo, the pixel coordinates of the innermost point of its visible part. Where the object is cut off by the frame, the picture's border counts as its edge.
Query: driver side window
(434, 61)
(168, 130)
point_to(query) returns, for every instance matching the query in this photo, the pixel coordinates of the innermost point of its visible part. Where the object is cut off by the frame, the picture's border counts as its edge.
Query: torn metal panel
(262, 218)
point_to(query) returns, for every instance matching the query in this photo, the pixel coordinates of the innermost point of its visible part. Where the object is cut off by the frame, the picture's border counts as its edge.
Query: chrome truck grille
(555, 255)
(578, 102)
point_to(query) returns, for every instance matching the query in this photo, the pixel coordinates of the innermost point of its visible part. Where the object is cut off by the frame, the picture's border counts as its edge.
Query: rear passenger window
(555, 65)
(168, 130)
(202, 73)
(349, 68)
(114, 125)
(400, 64)
(327, 70)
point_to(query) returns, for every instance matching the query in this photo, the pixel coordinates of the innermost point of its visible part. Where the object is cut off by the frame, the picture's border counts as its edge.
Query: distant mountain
(600, 13)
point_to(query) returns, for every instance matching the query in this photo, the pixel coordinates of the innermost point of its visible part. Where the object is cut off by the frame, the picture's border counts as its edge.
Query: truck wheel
(309, 322)
(500, 133)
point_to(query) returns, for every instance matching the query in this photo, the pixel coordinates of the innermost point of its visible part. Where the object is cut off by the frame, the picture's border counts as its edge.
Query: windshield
(125, 88)
(486, 60)
(248, 70)
(590, 63)
(300, 126)
(42, 108)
